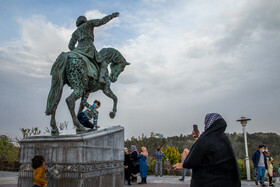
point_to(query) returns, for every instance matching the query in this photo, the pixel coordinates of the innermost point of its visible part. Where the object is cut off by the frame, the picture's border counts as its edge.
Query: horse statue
(82, 75)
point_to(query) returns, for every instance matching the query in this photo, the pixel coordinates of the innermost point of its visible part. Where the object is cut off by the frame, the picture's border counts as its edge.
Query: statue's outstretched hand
(115, 14)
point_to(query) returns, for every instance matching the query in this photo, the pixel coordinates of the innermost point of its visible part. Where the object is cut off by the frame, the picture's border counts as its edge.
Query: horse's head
(117, 66)
(117, 61)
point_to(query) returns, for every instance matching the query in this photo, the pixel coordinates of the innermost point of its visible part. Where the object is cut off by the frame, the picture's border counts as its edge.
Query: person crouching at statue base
(90, 113)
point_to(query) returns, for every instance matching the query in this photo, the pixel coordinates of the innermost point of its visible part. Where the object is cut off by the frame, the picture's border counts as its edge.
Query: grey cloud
(255, 21)
(173, 79)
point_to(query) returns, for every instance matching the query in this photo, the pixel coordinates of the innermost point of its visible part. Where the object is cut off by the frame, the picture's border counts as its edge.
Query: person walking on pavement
(269, 161)
(260, 164)
(158, 155)
(184, 156)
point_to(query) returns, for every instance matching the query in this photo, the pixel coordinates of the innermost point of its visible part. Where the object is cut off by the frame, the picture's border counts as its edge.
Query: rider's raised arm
(106, 19)
(73, 42)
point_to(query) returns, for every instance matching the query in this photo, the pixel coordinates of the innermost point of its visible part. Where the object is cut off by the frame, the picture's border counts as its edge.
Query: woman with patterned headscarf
(212, 158)
(143, 165)
(134, 163)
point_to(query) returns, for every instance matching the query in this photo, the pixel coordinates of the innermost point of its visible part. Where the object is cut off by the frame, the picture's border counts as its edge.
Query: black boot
(133, 179)
(128, 181)
(142, 181)
(145, 181)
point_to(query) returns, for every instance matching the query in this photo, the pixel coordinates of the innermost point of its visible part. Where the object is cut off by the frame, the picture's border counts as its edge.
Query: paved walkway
(9, 179)
(167, 181)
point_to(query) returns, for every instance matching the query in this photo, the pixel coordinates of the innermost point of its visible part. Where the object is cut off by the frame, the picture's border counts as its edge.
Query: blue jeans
(184, 173)
(190, 170)
(85, 121)
(261, 173)
(159, 165)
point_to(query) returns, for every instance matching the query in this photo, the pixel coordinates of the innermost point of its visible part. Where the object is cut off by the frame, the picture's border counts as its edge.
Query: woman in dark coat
(212, 158)
(134, 163)
(127, 166)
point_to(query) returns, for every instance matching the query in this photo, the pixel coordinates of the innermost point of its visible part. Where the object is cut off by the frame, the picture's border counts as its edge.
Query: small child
(38, 163)
(89, 113)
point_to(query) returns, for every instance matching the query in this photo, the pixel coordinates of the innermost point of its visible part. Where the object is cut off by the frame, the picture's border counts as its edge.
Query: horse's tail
(58, 81)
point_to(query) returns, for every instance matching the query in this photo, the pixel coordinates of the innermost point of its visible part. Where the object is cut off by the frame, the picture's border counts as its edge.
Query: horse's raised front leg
(71, 106)
(108, 92)
(54, 131)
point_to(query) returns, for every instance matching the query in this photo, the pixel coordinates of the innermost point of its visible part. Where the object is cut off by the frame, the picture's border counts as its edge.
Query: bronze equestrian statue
(84, 70)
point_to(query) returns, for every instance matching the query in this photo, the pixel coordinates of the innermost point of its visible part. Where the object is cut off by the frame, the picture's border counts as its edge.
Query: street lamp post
(243, 122)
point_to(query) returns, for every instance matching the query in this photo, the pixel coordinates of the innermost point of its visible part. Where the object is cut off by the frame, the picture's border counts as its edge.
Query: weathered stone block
(80, 160)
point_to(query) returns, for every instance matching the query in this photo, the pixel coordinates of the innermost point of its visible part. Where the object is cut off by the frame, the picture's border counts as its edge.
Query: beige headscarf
(144, 152)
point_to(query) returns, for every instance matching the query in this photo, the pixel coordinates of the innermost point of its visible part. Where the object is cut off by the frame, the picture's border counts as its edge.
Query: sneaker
(271, 185)
(181, 179)
(90, 130)
(156, 175)
(96, 127)
(256, 182)
(161, 176)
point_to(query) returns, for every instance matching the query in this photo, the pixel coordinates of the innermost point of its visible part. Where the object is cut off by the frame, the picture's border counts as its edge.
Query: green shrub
(172, 153)
(242, 169)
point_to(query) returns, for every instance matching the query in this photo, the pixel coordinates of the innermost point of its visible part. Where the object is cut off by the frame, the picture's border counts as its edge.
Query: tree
(173, 154)
(9, 154)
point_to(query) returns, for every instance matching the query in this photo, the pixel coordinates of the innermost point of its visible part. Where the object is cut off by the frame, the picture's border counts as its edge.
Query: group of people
(135, 162)
(211, 159)
(159, 157)
(263, 163)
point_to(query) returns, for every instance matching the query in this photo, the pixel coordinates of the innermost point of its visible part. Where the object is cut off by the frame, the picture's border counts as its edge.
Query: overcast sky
(188, 58)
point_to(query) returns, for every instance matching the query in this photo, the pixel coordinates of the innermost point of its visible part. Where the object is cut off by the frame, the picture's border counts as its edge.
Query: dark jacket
(127, 162)
(256, 159)
(212, 159)
(134, 162)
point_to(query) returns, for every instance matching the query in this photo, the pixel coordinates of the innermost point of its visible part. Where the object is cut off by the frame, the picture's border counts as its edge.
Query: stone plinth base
(82, 160)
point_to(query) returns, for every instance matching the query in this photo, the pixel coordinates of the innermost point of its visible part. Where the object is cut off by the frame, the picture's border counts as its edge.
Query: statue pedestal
(80, 160)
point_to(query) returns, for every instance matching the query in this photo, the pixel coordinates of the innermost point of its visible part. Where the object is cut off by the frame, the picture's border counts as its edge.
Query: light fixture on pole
(243, 122)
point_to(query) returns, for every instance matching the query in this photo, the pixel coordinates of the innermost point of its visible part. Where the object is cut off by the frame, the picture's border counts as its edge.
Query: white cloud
(40, 44)
(188, 68)
(186, 60)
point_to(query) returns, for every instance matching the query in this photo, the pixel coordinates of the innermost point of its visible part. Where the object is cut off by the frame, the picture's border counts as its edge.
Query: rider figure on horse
(84, 35)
